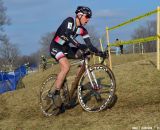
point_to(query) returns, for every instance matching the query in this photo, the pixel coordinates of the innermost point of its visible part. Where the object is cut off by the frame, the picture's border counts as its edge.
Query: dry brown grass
(138, 91)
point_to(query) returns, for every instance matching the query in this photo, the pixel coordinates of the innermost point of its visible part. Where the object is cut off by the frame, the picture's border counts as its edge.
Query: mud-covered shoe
(56, 98)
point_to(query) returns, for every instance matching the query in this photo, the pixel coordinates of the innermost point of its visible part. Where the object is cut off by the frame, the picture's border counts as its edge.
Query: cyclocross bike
(94, 85)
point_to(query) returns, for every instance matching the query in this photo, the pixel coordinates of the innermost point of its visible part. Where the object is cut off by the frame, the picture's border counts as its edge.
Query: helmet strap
(79, 19)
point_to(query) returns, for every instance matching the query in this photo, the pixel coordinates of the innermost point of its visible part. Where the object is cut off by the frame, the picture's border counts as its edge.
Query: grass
(138, 105)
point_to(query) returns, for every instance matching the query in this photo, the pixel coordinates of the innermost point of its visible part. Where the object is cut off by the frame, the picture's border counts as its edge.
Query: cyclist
(65, 34)
(44, 62)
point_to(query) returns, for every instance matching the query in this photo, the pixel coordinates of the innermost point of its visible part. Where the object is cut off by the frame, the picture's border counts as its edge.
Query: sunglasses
(87, 16)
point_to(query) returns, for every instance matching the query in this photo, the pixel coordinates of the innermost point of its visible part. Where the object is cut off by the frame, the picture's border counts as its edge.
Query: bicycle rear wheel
(47, 105)
(96, 96)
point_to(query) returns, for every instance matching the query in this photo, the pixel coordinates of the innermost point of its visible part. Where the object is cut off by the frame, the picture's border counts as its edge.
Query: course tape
(139, 40)
(133, 19)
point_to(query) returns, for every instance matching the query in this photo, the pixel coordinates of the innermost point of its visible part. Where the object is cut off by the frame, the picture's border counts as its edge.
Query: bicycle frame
(85, 66)
(77, 78)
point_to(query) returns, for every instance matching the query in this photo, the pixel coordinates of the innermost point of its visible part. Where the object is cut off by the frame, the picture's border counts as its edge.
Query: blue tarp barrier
(9, 80)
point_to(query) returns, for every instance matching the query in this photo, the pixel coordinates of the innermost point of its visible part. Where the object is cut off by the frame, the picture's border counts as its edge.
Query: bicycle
(94, 85)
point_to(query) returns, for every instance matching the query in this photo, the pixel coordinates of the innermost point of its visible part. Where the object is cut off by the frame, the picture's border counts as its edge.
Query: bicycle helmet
(84, 10)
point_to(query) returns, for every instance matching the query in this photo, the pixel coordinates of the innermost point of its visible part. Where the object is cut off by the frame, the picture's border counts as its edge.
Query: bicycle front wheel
(95, 92)
(47, 105)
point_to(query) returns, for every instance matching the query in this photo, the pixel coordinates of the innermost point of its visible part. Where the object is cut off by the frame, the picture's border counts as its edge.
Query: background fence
(9, 80)
(140, 40)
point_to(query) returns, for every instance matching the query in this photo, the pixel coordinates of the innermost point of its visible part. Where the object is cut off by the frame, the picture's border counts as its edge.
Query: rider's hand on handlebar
(82, 47)
(103, 54)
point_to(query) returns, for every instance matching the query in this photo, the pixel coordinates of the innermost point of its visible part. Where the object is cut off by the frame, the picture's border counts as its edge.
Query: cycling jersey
(65, 34)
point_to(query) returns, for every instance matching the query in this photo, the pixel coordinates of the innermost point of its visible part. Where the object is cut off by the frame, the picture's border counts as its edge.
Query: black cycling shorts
(57, 51)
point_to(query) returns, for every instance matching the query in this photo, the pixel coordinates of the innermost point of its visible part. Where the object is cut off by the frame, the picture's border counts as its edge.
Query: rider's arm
(68, 31)
(86, 38)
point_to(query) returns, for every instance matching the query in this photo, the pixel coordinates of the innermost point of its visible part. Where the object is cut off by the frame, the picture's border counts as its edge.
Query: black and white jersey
(67, 32)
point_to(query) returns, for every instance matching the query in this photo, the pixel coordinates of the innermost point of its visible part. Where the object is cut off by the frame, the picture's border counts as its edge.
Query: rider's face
(84, 19)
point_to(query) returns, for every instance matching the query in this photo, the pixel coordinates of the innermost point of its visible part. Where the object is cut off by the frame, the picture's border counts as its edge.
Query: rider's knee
(64, 65)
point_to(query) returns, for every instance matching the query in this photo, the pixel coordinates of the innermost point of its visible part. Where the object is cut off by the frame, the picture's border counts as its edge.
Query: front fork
(91, 76)
(93, 82)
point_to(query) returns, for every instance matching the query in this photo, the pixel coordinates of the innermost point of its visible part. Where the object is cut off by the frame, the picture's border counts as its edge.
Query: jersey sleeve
(68, 31)
(84, 33)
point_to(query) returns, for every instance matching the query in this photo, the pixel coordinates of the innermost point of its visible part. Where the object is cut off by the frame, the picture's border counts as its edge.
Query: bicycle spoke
(87, 96)
(97, 97)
